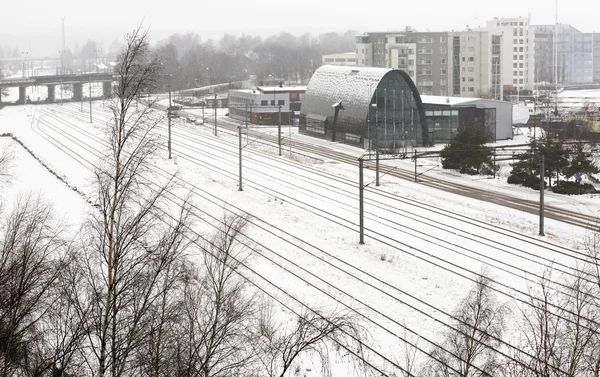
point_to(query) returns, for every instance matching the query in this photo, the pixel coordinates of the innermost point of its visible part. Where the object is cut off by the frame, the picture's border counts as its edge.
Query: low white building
(265, 104)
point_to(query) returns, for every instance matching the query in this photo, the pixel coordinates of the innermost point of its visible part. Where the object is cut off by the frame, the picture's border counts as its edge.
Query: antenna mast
(62, 51)
(556, 57)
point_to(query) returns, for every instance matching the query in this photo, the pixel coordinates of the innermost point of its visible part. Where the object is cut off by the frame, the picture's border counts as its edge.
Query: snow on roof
(282, 88)
(354, 85)
(444, 100)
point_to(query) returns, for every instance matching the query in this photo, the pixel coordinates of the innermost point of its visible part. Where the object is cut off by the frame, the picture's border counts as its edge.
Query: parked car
(192, 119)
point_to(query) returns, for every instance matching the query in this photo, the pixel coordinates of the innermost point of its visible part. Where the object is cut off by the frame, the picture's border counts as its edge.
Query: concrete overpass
(77, 80)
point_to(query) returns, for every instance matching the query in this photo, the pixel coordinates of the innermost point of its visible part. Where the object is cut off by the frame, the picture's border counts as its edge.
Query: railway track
(527, 206)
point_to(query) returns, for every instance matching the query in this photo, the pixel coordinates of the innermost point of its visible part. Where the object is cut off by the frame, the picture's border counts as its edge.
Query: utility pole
(279, 131)
(361, 220)
(415, 158)
(542, 184)
(240, 157)
(90, 101)
(169, 117)
(215, 107)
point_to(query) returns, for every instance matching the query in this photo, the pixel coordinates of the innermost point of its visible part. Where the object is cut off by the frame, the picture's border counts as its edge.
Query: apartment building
(574, 61)
(440, 63)
(518, 42)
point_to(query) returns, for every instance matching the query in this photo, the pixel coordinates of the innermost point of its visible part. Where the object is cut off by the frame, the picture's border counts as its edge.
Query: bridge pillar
(78, 91)
(107, 89)
(22, 94)
(51, 93)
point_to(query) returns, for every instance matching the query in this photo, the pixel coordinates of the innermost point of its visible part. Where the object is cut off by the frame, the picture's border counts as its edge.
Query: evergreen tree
(581, 161)
(467, 153)
(525, 171)
(556, 158)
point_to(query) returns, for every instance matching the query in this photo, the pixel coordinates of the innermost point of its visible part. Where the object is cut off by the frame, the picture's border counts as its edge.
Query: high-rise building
(440, 63)
(574, 60)
(596, 57)
(518, 43)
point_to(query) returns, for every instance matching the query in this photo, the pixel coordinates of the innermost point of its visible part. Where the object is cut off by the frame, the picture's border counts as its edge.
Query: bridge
(50, 81)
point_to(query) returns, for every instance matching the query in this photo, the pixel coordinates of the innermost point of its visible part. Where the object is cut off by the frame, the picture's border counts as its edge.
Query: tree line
(566, 162)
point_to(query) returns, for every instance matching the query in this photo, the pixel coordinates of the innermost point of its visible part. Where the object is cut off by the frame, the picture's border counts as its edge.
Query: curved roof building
(374, 107)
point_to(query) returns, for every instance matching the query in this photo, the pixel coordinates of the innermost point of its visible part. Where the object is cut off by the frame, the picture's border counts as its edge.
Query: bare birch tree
(470, 348)
(31, 252)
(218, 309)
(134, 235)
(313, 334)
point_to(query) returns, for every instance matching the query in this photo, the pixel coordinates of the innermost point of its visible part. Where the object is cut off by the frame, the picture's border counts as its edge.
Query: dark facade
(376, 107)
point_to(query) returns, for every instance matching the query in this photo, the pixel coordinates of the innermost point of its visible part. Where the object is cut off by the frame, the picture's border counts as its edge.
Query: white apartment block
(463, 64)
(518, 43)
(476, 64)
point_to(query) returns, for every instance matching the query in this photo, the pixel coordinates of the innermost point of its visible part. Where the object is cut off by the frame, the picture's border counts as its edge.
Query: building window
(264, 102)
(272, 102)
(471, 89)
(471, 58)
(464, 79)
(443, 50)
(281, 102)
(520, 49)
(443, 61)
(443, 71)
(442, 39)
(470, 48)
(471, 79)
(471, 69)
(514, 65)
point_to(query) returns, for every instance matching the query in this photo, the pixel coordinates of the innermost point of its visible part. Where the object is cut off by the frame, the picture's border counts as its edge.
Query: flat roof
(281, 89)
(444, 100)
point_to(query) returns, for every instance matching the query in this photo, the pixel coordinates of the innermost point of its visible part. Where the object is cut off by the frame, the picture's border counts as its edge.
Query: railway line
(82, 139)
(555, 213)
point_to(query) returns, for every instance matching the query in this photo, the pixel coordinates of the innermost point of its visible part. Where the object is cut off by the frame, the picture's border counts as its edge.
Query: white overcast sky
(36, 24)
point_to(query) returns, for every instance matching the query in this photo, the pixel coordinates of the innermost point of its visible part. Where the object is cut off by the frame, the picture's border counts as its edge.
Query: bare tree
(470, 347)
(592, 246)
(135, 235)
(30, 260)
(218, 309)
(315, 334)
(407, 359)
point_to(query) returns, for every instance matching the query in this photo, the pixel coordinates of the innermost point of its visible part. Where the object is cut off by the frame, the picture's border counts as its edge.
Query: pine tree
(581, 161)
(525, 171)
(467, 152)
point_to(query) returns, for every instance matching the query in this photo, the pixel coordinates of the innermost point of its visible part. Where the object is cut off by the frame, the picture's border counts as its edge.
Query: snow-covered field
(423, 247)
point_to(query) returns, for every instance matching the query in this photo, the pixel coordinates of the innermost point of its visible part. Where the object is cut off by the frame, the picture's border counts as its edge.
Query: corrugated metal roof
(354, 86)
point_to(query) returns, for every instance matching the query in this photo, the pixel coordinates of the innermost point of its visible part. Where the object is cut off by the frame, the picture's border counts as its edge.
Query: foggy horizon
(38, 29)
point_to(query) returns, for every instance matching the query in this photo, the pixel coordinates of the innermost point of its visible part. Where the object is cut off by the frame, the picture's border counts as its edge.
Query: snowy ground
(421, 253)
